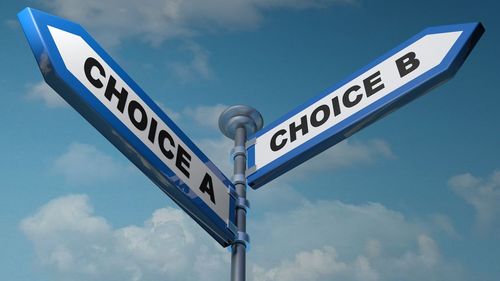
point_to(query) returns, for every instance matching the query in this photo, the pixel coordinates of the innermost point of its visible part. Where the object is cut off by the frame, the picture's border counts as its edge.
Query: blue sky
(414, 196)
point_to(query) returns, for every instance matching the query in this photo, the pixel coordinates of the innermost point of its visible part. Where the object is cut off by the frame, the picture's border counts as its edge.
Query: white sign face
(107, 86)
(354, 96)
(395, 79)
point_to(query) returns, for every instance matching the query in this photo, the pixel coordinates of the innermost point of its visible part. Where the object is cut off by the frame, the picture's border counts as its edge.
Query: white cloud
(198, 67)
(425, 263)
(331, 240)
(345, 227)
(207, 116)
(218, 151)
(278, 196)
(321, 241)
(444, 224)
(318, 264)
(75, 244)
(204, 116)
(43, 92)
(483, 195)
(312, 265)
(172, 114)
(157, 20)
(85, 164)
(344, 154)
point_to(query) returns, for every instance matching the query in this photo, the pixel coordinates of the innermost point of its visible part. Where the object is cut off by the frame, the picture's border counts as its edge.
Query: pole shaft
(238, 258)
(237, 122)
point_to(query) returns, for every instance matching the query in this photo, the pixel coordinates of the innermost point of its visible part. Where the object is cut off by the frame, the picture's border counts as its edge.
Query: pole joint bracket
(242, 203)
(238, 151)
(239, 179)
(242, 238)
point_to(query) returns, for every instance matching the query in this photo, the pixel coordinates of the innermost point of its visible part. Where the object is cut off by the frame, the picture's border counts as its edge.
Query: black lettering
(207, 186)
(161, 141)
(182, 160)
(336, 106)
(294, 129)
(143, 122)
(152, 130)
(371, 82)
(407, 64)
(314, 116)
(345, 98)
(274, 145)
(121, 95)
(89, 64)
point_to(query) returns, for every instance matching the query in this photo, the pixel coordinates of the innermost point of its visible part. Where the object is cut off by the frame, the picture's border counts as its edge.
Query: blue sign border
(471, 32)
(34, 23)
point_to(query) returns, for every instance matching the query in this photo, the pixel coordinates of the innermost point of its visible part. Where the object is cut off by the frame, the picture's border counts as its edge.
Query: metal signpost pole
(237, 122)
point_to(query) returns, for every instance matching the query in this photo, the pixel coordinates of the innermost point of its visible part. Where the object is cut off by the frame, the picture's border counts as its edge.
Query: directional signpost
(77, 68)
(391, 81)
(74, 65)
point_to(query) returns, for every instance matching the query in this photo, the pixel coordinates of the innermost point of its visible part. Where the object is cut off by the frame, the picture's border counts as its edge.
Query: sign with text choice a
(391, 81)
(79, 70)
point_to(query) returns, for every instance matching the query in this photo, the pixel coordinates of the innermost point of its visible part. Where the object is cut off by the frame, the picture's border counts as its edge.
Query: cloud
(218, 151)
(172, 114)
(43, 92)
(483, 195)
(444, 224)
(198, 67)
(326, 240)
(345, 227)
(84, 164)
(73, 243)
(207, 116)
(204, 116)
(344, 154)
(312, 265)
(278, 196)
(316, 265)
(155, 21)
(424, 263)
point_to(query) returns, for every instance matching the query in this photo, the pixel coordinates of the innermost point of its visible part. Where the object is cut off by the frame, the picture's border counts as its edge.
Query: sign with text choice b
(79, 70)
(391, 81)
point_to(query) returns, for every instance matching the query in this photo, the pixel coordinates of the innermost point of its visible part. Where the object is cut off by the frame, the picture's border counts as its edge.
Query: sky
(415, 196)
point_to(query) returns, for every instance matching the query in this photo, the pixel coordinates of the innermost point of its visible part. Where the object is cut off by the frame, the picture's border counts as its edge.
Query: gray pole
(237, 122)
(238, 259)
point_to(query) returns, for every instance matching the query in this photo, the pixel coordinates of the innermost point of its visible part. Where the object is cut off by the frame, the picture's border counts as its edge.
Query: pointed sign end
(476, 33)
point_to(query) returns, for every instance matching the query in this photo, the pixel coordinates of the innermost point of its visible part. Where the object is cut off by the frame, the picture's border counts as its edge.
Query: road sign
(77, 68)
(391, 81)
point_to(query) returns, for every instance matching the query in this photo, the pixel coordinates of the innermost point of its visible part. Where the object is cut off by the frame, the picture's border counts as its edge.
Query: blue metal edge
(471, 33)
(251, 156)
(34, 24)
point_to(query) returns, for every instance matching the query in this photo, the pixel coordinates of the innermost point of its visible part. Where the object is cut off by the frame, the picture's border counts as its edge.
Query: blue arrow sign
(79, 70)
(391, 81)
